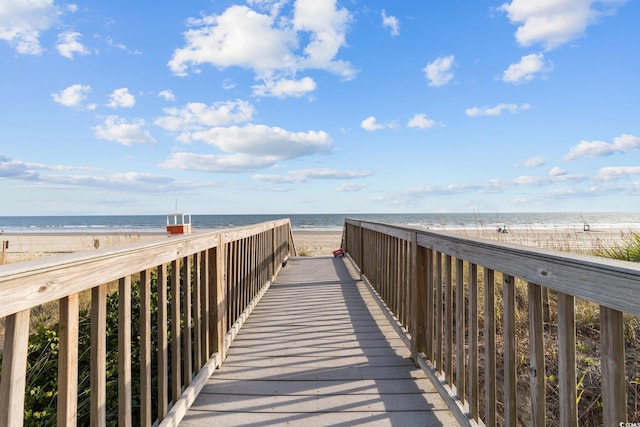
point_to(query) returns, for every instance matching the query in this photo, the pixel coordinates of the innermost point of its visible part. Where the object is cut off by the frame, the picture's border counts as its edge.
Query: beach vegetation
(628, 249)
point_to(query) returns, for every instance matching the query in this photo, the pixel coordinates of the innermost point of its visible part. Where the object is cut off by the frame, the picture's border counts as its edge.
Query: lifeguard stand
(179, 223)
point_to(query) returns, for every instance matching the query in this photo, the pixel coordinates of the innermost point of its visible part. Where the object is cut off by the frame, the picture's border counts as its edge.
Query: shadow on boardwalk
(318, 351)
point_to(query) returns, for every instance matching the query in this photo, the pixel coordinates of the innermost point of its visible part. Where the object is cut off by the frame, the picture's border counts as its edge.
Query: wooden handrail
(414, 266)
(205, 284)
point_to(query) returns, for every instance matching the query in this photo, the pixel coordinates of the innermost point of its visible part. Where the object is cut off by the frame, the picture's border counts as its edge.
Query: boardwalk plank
(316, 351)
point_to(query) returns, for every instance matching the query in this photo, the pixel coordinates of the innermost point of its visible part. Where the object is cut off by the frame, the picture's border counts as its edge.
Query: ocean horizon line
(327, 222)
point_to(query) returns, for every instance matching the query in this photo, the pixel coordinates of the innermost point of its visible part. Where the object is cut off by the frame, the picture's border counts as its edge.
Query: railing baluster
(567, 360)
(509, 334)
(536, 344)
(98, 369)
(197, 312)
(163, 343)
(220, 299)
(437, 284)
(176, 339)
(205, 273)
(489, 348)
(418, 299)
(614, 393)
(67, 409)
(14, 368)
(473, 342)
(124, 352)
(429, 312)
(448, 319)
(460, 326)
(187, 361)
(145, 348)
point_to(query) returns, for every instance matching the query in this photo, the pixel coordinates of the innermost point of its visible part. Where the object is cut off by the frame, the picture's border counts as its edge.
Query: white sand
(317, 243)
(23, 247)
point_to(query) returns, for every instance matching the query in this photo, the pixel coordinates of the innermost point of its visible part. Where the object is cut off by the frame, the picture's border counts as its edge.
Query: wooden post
(205, 288)
(187, 356)
(460, 327)
(176, 332)
(614, 393)
(536, 343)
(437, 285)
(163, 344)
(67, 411)
(421, 309)
(98, 379)
(448, 320)
(197, 312)
(221, 297)
(489, 348)
(567, 360)
(509, 318)
(14, 369)
(145, 348)
(473, 343)
(124, 352)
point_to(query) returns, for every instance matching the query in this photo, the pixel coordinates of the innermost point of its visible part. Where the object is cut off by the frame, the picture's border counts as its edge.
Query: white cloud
(73, 96)
(267, 44)
(421, 121)
(326, 27)
(391, 22)
(218, 163)
(303, 175)
(527, 69)
(285, 87)
(199, 116)
(616, 172)
(121, 98)
(68, 45)
(22, 22)
(554, 175)
(534, 162)
(497, 110)
(370, 124)
(557, 171)
(123, 132)
(350, 186)
(554, 23)
(60, 176)
(621, 144)
(439, 71)
(261, 140)
(10, 168)
(167, 95)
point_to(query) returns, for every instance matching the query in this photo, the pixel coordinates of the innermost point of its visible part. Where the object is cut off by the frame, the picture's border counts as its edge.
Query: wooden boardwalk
(318, 351)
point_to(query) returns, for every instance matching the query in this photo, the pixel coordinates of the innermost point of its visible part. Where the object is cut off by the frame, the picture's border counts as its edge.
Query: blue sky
(319, 106)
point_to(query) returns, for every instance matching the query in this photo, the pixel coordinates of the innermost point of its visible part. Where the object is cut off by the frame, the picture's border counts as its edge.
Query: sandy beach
(26, 246)
(23, 247)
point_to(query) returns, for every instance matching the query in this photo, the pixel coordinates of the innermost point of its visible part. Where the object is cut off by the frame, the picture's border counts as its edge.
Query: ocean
(324, 222)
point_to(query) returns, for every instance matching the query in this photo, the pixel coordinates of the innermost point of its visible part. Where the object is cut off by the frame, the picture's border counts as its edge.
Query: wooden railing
(442, 290)
(194, 293)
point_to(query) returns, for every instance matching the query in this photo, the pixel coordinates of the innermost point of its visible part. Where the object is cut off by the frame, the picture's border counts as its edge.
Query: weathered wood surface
(318, 350)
